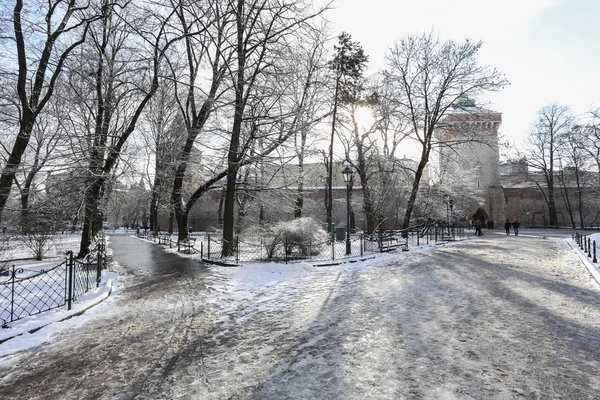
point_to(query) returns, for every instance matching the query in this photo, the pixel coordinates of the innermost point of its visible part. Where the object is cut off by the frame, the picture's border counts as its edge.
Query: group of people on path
(515, 225)
(479, 224)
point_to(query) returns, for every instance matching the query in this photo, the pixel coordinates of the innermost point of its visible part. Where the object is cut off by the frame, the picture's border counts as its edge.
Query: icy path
(494, 317)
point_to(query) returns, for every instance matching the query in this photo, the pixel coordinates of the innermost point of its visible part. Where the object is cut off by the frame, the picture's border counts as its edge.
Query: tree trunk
(228, 212)
(14, 159)
(552, 207)
(234, 144)
(89, 218)
(415, 189)
(299, 203)
(154, 212)
(171, 218)
(329, 201)
(368, 209)
(182, 223)
(580, 201)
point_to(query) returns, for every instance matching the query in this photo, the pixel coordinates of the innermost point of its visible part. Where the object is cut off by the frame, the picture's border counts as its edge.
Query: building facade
(469, 159)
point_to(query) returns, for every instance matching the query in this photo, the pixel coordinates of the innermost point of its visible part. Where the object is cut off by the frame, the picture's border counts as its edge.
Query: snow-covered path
(496, 317)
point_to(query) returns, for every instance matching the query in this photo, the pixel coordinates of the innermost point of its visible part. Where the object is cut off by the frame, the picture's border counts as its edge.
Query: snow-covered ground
(492, 317)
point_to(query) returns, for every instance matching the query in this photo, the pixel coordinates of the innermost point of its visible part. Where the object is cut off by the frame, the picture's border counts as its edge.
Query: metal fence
(283, 249)
(587, 245)
(30, 291)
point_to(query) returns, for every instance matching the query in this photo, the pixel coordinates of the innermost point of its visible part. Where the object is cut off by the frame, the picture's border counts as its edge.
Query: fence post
(595, 260)
(589, 246)
(99, 268)
(362, 245)
(418, 237)
(12, 294)
(237, 245)
(70, 280)
(332, 247)
(585, 250)
(202, 249)
(208, 249)
(436, 234)
(285, 249)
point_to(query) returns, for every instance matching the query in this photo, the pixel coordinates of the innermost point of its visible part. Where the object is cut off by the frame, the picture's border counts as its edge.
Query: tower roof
(466, 105)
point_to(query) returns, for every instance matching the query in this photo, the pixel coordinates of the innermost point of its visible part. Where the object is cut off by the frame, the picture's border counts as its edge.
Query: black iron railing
(29, 291)
(283, 249)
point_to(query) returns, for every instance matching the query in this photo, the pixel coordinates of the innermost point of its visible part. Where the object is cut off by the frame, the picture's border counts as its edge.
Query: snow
(48, 324)
(45, 326)
(257, 282)
(442, 328)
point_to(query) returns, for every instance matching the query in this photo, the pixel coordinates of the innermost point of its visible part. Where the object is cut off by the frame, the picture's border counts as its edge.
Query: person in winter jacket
(507, 227)
(516, 225)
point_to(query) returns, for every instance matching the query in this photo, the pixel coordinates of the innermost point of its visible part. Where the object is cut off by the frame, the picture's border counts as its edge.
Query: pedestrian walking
(516, 225)
(478, 226)
(507, 227)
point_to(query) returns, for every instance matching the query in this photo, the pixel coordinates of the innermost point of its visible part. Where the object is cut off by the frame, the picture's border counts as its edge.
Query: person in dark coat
(507, 227)
(478, 226)
(516, 225)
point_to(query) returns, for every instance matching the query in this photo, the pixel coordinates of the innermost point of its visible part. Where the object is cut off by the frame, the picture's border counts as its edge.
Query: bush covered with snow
(303, 234)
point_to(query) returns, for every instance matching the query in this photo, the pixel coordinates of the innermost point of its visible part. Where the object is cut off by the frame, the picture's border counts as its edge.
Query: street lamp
(348, 175)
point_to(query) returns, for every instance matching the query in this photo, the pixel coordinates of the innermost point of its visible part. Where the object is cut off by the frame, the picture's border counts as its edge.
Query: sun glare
(364, 117)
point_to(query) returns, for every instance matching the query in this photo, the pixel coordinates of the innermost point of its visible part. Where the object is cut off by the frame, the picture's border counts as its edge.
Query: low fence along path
(492, 317)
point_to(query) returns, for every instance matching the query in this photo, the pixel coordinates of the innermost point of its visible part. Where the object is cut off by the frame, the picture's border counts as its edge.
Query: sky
(548, 49)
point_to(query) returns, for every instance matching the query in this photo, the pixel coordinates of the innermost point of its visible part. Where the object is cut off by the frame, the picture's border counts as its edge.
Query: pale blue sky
(548, 49)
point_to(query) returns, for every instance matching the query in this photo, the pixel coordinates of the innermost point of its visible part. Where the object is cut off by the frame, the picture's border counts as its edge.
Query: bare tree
(310, 72)
(162, 141)
(38, 68)
(365, 146)
(125, 55)
(197, 101)
(542, 150)
(46, 137)
(573, 162)
(424, 79)
(261, 30)
(591, 139)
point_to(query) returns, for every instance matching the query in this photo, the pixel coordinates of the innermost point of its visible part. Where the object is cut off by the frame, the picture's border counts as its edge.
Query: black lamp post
(348, 175)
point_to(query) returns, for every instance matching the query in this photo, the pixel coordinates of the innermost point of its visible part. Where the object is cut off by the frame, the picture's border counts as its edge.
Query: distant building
(469, 161)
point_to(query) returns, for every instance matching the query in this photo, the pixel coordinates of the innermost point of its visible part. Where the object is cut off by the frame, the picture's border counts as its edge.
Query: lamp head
(348, 173)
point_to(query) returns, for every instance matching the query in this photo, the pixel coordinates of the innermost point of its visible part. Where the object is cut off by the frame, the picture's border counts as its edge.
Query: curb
(73, 313)
(588, 264)
(343, 262)
(219, 263)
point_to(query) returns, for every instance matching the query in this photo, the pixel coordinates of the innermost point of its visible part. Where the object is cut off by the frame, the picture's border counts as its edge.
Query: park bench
(389, 243)
(187, 245)
(164, 239)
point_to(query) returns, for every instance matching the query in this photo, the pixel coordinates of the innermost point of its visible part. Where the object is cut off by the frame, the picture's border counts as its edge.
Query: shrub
(304, 234)
(38, 236)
